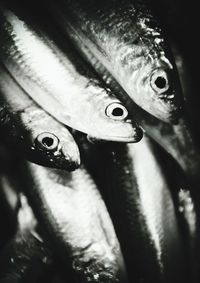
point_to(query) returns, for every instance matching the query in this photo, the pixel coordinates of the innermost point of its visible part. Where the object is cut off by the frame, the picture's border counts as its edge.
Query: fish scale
(76, 221)
(178, 140)
(51, 76)
(136, 191)
(126, 38)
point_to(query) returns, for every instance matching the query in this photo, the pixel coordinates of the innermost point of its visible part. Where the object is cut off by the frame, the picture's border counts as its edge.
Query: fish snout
(123, 129)
(71, 154)
(137, 134)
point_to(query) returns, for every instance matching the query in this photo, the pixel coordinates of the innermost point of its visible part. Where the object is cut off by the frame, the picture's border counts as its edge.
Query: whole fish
(127, 41)
(25, 258)
(28, 128)
(137, 194)
(71, 211)
(59, 81)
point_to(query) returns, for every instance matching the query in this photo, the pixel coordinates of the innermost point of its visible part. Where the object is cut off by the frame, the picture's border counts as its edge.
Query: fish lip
(137, 138)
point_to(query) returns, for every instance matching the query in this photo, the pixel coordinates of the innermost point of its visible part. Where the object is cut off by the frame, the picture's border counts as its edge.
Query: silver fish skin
(126, 39)
(138, 196)
(76, 220)
(53, 79)
(25, 258)
(179, 140)
(28, 128)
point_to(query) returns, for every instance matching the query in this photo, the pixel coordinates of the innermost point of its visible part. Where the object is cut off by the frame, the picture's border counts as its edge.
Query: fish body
(126, 39)
(178, 140)
(28, 128)
(59, 82)
(76, 220)
(136, 191)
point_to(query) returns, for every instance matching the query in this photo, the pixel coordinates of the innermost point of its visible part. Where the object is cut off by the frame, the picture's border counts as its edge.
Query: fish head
(60, 153)
(111, 122)
(154, 85)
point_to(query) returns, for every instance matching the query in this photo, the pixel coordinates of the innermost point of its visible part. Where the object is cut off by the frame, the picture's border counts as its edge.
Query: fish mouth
(136, 137)
(71, 156)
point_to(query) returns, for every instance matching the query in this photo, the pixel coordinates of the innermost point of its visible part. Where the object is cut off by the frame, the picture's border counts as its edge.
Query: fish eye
(47, 141)
(159, 81)
(116, 111)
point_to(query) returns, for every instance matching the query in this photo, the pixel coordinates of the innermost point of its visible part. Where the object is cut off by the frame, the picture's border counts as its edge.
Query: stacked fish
(99, 160)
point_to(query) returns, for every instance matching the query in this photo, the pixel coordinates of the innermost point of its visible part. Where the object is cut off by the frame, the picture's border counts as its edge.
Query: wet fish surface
(137, 194)
(28, 128)
(126, 39)
(76, 220)
(178, 140)
(53, 79)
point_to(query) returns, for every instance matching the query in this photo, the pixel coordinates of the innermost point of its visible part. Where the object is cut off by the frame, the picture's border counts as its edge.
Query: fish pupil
(117, 112)
(160, 82)
(47, 141)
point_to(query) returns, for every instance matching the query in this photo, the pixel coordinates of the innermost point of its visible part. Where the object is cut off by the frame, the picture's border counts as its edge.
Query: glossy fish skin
(28, 128)
(67, 89)
(179, 140)
(187, 208)
(125, 37)
(71, 210)
(140, 203)
(25, 258)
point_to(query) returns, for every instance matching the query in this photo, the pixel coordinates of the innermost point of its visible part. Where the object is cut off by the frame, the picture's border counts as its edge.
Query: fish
(26, 257)
(71, 211)
(125, 39)
(137, 193)
(180, 140)
(59, 81)
(30, 131)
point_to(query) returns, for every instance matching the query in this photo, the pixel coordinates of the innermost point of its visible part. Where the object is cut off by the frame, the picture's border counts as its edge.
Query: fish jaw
(109, 122)
(127, 134)
(71, 152)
